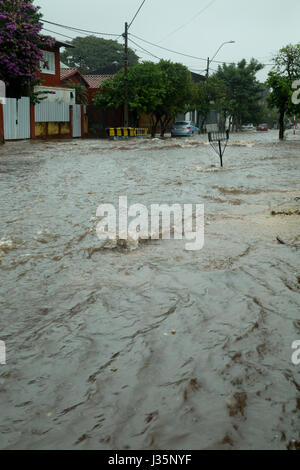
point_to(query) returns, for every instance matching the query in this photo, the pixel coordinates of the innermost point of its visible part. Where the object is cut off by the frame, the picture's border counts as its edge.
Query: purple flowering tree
(20, 45)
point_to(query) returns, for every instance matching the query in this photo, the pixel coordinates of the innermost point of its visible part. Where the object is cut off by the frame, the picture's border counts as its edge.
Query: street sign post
(218, 141)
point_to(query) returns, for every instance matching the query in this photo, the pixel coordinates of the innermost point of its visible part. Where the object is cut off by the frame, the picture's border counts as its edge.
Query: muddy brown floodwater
(91, 359)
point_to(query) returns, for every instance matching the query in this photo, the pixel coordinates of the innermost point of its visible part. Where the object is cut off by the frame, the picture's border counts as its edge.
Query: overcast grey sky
(195, 27)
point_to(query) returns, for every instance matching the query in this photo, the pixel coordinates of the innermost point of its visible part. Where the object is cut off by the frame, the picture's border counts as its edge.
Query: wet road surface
(91, 359)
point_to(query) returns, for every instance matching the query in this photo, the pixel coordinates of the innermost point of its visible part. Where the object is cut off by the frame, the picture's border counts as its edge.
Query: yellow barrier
(143, 132)
(126, 132)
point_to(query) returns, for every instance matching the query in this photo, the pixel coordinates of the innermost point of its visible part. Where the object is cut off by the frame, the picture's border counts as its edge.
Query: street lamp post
(210, 60)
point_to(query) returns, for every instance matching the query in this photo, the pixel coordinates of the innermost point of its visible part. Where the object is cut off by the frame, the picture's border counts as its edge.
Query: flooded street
(92, 362)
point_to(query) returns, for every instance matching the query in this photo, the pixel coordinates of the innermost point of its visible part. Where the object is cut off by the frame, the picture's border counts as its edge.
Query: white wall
(58, 95)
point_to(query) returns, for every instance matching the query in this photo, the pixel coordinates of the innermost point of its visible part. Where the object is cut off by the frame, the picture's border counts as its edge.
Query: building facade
(51, 88)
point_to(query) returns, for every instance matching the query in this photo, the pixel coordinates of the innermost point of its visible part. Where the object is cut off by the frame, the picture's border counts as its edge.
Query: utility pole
(207, 70)
(126, 116)
(125, 36)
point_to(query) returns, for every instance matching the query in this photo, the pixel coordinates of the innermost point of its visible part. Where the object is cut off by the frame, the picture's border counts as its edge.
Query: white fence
(52, 112)
(17, 118)
(76, 120)
(16, 114)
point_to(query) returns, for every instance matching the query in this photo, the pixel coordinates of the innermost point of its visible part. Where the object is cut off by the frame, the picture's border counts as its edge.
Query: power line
(197, 70)
(145, 50)
(55, 32)
(84, 35)
(166, 49)
(190, 21)
(71, 28)
(187, 55)
(82, 31)
(141, 6)
(131, 40)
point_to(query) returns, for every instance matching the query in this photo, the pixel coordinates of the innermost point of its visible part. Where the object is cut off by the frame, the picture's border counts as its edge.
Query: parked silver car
(248, 127)
(184, 129)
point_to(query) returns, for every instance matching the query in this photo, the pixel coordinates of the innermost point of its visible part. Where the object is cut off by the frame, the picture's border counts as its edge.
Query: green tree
(93, 55)
(178, 93)
(208, 95)
(267, 114)
(145, 90)
(280, 80)
(160, 90)
(242, 90)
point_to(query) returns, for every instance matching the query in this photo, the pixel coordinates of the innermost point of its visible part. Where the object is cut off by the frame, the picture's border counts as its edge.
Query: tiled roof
(65, 73)
(95, 81)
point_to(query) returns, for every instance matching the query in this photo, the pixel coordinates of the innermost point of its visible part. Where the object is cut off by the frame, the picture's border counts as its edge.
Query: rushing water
(92, 358)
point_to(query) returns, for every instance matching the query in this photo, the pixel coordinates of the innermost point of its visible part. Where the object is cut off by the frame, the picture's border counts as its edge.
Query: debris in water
(287, 212)
(282, 242)
(7, 245)
(287, 208)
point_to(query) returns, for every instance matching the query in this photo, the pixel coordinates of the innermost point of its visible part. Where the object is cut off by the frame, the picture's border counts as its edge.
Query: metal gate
(16, 115)
(76, 120)
(52, 112)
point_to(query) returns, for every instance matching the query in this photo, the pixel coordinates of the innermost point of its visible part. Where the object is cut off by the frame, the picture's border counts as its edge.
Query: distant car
(184, 129)
(263, 128)
(248, 127)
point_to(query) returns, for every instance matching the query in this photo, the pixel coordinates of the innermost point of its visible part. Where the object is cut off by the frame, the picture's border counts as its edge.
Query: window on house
(48, 63)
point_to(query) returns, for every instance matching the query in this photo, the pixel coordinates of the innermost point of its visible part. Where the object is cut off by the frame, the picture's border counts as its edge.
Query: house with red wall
(50, 76)
(94, 82)
(69, 76)
(91, 82)
(56, 79)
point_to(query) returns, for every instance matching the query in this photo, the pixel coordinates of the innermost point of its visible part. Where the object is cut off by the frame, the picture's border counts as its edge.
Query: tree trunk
(203, 121)
(162, 130)
(164, 126)
(154, 127)
(281, 124)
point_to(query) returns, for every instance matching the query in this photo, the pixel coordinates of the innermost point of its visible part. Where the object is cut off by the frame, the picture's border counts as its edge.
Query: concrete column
(1, 124)
(71, 122)
(82, 120)
(32, 121)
